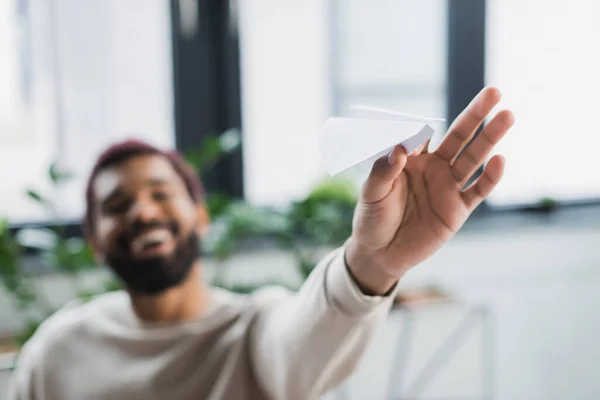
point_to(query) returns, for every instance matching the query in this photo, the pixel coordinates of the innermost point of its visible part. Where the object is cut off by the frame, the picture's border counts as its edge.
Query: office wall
(286, 93)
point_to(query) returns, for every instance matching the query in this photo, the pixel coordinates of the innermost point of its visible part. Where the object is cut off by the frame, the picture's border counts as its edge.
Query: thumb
(383, 174)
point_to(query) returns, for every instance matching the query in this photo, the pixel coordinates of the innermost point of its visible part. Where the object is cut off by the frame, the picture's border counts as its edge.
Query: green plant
(322, 219)
(57, 252)
(12, 275)
(233, 220)
(205, 157)
(238, 223)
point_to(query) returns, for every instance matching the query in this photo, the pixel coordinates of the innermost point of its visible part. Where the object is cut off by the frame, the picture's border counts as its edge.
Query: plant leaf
(3, 226)
(27, 332)
(217, 204)
(37, 197)
(203, 157)
(213, 148)
(230, 140)
(56, 175)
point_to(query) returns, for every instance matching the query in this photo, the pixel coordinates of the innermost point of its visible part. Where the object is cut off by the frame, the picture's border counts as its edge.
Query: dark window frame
(465, 69)
(206, 82)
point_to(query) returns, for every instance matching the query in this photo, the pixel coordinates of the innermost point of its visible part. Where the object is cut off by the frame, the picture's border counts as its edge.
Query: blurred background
(507, 310)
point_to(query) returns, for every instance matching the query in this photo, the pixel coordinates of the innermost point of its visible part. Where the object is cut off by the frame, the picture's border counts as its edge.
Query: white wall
(285, 95)
(540, 54)
(27, 139)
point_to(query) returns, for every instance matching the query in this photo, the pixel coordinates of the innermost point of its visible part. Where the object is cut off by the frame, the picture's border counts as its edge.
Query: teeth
(156, 236)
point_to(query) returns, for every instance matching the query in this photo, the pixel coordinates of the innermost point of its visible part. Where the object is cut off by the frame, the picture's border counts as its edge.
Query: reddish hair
(121, 152)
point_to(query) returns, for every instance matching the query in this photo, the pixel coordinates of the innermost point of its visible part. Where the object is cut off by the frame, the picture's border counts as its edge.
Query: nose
(144, 210)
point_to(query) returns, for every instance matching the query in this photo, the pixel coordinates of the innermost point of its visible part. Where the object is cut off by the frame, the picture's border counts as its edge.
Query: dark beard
(155, 275)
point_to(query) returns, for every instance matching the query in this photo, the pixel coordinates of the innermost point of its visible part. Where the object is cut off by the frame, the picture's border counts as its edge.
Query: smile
(154, 242)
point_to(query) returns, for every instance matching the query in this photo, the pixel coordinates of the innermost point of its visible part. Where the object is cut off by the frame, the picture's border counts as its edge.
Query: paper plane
(369, 134)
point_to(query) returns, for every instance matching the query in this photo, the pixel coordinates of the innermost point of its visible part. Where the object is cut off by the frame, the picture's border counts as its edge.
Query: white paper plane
(370, 133)
(370, 112)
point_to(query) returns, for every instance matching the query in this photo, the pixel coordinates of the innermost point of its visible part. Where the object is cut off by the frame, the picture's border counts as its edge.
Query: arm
(309, 343)
(410, 206)
(21, 384)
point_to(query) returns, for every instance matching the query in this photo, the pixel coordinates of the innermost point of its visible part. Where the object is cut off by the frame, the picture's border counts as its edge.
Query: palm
(421, 212)
(409, 210)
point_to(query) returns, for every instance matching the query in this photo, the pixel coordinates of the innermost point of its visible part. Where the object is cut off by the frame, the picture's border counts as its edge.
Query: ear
(95, 247)
(202, 220)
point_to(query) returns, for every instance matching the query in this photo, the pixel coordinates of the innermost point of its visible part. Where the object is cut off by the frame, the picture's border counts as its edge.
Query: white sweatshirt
(268, 345)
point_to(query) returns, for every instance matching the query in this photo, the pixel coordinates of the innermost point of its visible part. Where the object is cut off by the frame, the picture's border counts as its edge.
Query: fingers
(424, 148)
(484, 185)
(383, 174)
(477, 152)
(466, 124)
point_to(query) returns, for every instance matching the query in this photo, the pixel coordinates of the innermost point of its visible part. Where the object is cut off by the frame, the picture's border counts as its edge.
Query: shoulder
(75, 317)
(54, 337)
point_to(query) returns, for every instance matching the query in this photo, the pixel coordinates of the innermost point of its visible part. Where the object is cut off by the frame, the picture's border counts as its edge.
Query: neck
(182, 303)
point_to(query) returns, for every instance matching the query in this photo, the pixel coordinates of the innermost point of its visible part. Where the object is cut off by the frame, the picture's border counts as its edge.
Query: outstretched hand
(411, 205)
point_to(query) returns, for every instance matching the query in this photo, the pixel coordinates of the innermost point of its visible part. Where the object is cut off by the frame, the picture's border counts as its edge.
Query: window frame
(206, 73)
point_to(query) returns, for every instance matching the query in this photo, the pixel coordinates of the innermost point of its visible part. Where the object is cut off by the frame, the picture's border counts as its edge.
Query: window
(89, 73)
(390, 54)
(27, 139)
(540, 53)
(304, 61)
(285, 96)
(15, 75)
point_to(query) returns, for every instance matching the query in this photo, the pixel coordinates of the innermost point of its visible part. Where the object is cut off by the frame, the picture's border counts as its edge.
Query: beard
(155, 275)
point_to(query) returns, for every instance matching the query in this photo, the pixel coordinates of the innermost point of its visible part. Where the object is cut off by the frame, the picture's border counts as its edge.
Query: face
(147, 225)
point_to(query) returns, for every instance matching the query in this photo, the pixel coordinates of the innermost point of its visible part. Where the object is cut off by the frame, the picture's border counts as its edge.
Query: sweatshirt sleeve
(308, 343)
(21, 383)
(27, 379)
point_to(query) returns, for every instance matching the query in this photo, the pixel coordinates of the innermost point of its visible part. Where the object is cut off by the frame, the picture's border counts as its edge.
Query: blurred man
(169, 336)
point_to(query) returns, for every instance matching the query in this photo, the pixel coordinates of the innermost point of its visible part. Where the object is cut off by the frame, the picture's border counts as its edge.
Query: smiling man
(170, 336)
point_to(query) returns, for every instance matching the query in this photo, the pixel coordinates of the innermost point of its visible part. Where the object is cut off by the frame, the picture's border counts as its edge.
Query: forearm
(312, 341)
